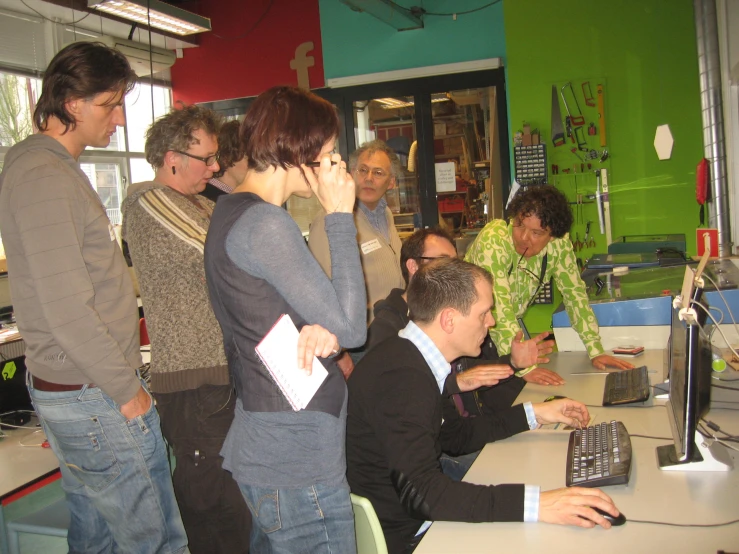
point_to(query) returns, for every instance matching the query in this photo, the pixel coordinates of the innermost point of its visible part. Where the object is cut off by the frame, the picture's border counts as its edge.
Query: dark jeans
(195, 422)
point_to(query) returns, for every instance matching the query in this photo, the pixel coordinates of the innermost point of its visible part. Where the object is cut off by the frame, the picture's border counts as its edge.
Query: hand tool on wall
(601, 115)
(555, 169)
(580, 138)
(558, 133)
(568, 126)
(577, 119)
(577, 245)
(587, 94)
(592, 131)
(588, 242)
(604, 204)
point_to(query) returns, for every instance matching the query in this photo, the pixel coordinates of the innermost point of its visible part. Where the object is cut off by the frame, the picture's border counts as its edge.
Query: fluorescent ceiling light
(395, 103)
(155, 13)
(387, 12)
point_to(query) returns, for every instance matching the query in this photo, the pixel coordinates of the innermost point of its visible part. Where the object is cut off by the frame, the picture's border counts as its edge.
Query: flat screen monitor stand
(703, 458)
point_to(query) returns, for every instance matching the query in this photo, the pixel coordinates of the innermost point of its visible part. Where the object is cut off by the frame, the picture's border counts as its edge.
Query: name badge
(370, 246)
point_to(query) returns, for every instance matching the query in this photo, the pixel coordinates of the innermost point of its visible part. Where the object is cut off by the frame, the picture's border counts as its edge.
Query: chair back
(370, 538)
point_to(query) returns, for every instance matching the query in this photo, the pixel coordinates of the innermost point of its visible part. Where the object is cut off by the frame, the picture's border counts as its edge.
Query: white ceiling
(93, 23)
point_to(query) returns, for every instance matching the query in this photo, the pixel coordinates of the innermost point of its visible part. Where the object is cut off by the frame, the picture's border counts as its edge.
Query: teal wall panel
(356, 43)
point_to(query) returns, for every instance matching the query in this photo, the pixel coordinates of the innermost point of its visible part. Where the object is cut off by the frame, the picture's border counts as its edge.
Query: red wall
(223, 69)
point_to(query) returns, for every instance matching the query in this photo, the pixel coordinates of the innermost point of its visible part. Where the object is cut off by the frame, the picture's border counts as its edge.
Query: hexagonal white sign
(663, 142)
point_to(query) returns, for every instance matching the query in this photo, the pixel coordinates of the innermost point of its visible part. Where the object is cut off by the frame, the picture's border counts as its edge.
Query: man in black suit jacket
(399, 420)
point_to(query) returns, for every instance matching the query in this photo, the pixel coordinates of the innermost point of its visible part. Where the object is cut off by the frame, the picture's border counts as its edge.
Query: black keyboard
(626, 386)
(599, 455)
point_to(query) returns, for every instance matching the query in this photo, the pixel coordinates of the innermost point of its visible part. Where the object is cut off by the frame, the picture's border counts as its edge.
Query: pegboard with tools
(578, 154)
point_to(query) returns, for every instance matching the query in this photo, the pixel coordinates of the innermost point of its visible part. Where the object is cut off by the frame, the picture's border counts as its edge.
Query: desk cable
(722, 524)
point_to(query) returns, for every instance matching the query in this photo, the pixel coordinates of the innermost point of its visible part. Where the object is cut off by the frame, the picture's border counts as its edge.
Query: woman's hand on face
(333, 184)
(314, 340)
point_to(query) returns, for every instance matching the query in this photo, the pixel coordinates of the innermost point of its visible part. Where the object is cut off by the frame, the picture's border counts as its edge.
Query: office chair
(370, 538)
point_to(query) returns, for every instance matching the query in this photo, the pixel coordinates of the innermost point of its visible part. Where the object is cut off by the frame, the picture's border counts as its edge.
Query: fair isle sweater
(166, 233)
(380, 258)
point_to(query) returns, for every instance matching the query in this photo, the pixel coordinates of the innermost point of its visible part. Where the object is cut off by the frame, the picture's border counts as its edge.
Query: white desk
(21, 467)
(539, 457)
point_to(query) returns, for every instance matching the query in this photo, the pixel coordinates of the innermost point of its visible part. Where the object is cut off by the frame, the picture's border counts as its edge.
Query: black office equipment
(599, 455)
(690, 390)
(626, 386)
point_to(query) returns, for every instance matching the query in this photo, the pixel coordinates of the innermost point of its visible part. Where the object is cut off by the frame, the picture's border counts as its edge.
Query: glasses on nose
(208, 160)
(432, 257)
(376, 173)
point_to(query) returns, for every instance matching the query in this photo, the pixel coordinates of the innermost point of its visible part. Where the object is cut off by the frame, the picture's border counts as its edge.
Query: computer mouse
(555, 397)
(616, 521)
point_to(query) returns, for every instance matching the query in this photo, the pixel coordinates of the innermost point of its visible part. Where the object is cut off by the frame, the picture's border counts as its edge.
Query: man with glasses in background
(525, 254)
(165, 222)
(375, 167)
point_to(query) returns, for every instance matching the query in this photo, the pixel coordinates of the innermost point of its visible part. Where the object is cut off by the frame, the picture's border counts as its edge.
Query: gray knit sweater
(166, 232)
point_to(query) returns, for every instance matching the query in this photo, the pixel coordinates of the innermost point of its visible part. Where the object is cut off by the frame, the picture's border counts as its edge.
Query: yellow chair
(370, 539)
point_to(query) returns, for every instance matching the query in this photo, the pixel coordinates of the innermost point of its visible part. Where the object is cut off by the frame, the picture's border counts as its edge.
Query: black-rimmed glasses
(208, 160)
(431, 257)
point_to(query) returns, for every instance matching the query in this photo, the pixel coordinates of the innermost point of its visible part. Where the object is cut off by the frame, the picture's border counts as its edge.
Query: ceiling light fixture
(388, 12)
(155, 13)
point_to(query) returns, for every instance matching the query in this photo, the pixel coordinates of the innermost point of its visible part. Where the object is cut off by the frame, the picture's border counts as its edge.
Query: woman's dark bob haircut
(80, 71)
(286, 127)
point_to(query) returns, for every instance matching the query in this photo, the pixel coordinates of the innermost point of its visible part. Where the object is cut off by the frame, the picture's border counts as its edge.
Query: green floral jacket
(493, 250)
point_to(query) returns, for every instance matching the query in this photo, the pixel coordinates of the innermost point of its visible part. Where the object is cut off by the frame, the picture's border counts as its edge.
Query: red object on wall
(700, 241)
(223, 69)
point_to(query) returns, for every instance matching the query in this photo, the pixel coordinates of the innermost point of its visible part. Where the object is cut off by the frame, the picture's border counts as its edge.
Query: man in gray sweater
(76, 310)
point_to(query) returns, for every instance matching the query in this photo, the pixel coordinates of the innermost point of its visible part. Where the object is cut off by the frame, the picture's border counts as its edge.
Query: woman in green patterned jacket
(523, 255)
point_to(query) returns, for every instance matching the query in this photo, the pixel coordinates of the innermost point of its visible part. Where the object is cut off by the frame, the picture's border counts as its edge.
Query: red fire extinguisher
(703, 178)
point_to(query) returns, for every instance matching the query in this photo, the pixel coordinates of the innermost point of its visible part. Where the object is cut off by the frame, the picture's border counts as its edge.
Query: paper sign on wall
(445, 179)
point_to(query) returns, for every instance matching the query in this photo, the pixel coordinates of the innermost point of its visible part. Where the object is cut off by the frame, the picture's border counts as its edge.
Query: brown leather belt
(45, 386)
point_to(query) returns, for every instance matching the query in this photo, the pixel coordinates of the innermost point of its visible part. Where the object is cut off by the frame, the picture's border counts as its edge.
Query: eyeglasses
(376, 173)
(208, 160)
(431, 257)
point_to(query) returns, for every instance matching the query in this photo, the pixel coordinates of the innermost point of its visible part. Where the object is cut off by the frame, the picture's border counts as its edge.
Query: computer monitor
(690, 394)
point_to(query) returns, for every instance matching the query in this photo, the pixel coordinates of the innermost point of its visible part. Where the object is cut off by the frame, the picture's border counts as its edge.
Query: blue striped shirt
(440, 368)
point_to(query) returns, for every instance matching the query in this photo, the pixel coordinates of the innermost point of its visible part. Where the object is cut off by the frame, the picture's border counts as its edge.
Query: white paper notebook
(279, 354)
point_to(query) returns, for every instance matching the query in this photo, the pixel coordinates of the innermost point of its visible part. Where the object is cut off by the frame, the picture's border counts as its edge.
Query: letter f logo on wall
(301, 63)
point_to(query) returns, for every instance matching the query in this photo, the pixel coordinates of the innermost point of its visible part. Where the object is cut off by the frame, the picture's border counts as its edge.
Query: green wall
(646, 53)
(356, 43)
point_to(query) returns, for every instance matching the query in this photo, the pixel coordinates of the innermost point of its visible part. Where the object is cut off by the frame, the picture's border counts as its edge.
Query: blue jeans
(115, 474)
(317, 519)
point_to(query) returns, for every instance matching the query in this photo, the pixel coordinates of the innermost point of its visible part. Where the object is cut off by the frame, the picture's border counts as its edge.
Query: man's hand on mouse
(564, 410)
(542, 376)
(574, 506)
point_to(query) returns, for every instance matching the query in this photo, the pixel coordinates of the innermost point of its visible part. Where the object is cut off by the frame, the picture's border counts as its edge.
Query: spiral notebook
(278, 351)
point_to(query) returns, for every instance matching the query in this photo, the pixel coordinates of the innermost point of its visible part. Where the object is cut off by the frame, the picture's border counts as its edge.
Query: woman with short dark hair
(524, 254)
(289, 464)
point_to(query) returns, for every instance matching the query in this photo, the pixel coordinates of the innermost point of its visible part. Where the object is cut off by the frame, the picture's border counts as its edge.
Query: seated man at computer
(399, 423)
(391, 315)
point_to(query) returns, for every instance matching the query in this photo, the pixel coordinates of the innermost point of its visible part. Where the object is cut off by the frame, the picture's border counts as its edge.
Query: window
(109, 169)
